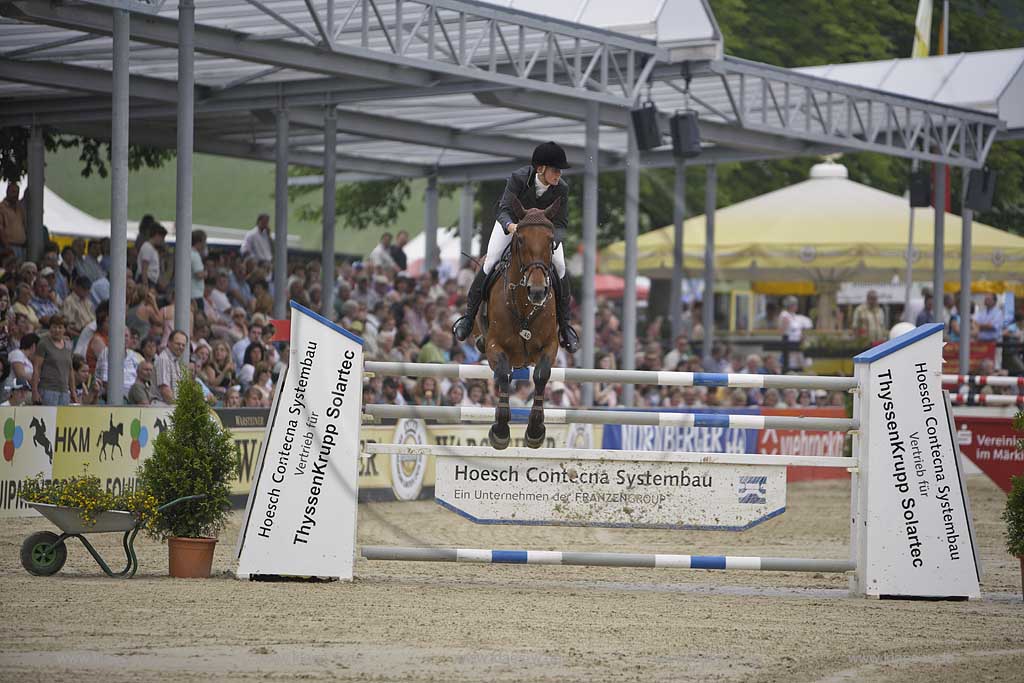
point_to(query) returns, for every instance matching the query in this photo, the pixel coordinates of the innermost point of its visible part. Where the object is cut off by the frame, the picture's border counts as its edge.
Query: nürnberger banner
(611, 493)
(917, 538)
(300, 519)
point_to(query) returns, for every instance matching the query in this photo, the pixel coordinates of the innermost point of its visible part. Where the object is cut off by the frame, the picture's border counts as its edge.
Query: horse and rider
(527, 313)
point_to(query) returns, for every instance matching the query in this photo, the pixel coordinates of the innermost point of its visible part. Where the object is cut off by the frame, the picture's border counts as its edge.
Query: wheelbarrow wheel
(41, 555)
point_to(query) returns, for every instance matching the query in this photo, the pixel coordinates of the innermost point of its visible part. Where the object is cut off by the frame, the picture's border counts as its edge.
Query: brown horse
(519, 323)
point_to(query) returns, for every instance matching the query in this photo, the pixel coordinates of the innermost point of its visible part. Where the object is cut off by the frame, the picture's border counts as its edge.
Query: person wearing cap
(536, 186)
(77, 308)
(21, 393)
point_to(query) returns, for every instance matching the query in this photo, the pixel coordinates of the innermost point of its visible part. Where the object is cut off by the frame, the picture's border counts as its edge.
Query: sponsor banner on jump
(804, 442)
(611, 493)
(300, 518)
(991, 444)
(28, 435)
(686, 439)
(917, 535)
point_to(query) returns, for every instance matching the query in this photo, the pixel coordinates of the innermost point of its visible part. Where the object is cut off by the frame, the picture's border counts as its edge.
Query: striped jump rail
(652, 377)
(455, 414)
(983, 380)
(579, 454)
(986, 400)
(587, 559)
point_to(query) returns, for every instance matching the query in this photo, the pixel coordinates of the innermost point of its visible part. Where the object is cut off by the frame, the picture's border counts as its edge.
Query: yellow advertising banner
(111, 443)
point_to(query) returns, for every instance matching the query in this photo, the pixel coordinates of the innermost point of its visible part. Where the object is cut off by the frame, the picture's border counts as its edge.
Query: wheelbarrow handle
(178, 501)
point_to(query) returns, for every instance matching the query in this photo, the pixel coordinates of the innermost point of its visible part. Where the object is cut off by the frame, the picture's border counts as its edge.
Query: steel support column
(588, 309)
(708, 298)
(330, 185)
(939, 251)
(466, 199)
(36, 183)
(966, 217)
(118, 207)
(430, 225)
(281, 217)
(678, 216)
(629, 312)
(185, 145)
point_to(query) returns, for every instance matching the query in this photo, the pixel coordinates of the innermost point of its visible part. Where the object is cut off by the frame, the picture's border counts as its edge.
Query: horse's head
(533, 242)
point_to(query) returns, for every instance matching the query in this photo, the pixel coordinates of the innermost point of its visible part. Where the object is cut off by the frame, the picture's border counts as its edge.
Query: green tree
(95, 153)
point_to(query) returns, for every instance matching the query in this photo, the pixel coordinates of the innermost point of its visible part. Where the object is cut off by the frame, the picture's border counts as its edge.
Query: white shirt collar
(541, 187)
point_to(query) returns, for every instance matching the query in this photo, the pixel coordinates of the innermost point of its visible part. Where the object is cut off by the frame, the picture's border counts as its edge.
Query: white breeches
(496, 247)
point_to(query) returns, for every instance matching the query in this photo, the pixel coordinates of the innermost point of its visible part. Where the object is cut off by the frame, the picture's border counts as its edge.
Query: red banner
(979, 351)
(991, 444)
(803, 442)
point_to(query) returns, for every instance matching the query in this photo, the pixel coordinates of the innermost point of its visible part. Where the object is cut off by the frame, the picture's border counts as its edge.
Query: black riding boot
(464, 325)
(566, 333)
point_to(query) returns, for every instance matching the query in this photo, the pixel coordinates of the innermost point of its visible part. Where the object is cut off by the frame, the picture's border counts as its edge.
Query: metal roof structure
(451, 88)
(454, 90)
(991, 81)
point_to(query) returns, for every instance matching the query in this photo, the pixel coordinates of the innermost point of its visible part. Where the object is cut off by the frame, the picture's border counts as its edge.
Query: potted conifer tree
(194, 455)
(1014, 513)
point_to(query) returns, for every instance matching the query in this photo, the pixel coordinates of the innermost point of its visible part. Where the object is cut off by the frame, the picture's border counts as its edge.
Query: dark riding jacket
(523, 184)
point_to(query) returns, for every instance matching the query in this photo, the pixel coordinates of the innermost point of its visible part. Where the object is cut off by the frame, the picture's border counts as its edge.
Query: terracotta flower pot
(190, 558)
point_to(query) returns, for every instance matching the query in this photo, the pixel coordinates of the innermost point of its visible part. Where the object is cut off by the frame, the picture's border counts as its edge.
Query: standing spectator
(168, 366)
(380, 257)
(141, 393)
(257, 241)
(12, 222)
(990, 320)
(148, 268)
(925, 316)
(869, 319)
(198, 279)
(77, 308)
(397, 250)
(53, 380)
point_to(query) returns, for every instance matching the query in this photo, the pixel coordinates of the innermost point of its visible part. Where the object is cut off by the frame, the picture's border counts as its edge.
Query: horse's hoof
(536, 441)
(499, 443)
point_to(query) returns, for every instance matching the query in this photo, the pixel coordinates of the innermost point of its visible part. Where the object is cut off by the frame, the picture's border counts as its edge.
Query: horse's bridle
(525, 269)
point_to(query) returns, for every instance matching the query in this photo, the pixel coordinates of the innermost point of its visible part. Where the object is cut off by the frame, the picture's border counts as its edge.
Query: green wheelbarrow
(44, 552)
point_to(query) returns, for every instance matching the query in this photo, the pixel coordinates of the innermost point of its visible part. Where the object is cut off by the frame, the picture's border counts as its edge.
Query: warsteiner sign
(610, 493)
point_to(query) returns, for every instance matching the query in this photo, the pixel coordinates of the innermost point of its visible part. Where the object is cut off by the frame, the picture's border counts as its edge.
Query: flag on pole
(922, 30)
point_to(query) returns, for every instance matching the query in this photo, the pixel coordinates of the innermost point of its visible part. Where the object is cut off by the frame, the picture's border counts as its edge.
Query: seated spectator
(455, 394)
(253, 398)
(86, 386)
(522, 395)
(143, 314)
(142, 392)
(100, 338)
(88, 265)
(169, 366)
(247, 373)
(435, 350)
(20, 360)
(221, 369)
(78, 308)
(132, 360)
(254, 335)
(23, 306)
(20, 395)
(233, 398)
(239, 327)
(425, 392)
(44, 301)
(677, 354)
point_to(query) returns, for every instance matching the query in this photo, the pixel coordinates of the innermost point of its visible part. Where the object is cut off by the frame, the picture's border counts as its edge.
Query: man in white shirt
(257, 241)
(148, 269)
(380, 257)
(240, 347)
(219, 295)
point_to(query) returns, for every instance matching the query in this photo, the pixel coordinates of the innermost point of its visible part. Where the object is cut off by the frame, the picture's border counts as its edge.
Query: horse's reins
(524, 281)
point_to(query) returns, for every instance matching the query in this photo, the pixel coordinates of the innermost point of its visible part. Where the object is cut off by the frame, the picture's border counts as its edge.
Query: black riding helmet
(549, 154)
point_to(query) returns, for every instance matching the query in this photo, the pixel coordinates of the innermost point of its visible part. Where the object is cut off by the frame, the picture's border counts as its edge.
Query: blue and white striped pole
(455, 414)
(586, 559)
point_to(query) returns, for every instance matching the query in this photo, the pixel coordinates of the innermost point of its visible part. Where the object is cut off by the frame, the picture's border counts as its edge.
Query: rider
(537, 186)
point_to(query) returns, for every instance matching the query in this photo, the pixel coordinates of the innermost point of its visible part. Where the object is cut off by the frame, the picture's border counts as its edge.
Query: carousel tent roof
(824, 228)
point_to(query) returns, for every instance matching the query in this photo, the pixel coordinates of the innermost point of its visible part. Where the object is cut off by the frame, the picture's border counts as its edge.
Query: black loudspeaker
(685, 134)
(646, 127)
(920, 188)
(981, 187)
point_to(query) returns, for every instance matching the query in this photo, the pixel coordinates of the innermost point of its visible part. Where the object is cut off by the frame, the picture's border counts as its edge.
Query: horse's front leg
(499, 436)
(535, 431)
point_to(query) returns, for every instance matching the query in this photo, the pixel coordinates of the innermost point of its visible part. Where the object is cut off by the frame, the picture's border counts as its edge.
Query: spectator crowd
(55, 328)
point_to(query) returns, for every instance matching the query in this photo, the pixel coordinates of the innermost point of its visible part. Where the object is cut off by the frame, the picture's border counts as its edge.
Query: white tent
(65, 219)
(451, 251)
